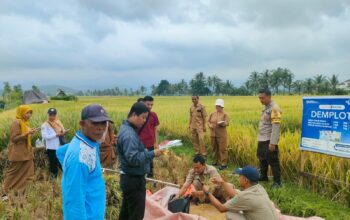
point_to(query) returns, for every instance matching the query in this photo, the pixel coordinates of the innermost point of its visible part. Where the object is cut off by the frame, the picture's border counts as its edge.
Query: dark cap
(95, 113)
(251, 173)
(52, 111)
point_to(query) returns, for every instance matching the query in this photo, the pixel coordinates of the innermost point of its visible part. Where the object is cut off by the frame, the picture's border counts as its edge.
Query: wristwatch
(206, 193)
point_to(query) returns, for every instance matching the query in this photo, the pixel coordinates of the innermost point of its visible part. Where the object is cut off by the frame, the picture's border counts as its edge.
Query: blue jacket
(83, 187)
(133, 157)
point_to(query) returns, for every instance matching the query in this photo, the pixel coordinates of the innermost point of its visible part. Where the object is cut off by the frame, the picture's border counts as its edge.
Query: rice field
(244, 112)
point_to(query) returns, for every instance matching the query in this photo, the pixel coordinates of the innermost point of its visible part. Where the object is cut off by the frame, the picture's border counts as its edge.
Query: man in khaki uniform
(197, 127)
(268, 136)
(253, 203)
(198, 176)
(218, 121)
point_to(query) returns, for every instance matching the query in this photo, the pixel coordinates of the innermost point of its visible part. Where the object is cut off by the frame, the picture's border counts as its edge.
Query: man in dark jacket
(134, 164)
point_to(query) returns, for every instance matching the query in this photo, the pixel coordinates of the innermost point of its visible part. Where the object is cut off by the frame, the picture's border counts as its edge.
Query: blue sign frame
(326, 125)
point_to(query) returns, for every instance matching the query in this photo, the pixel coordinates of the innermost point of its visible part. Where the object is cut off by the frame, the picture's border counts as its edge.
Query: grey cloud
(174, 39)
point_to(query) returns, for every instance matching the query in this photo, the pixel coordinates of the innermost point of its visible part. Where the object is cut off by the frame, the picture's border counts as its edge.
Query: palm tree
(276, 79)
(264, 79)
(143, 90)
(309, 86)
(297, 86)
(217, 84)
(210, 84)
(254, 81)
(247, 87)
(227, 87)
(319, 81)
(288, 79)
(333, 80)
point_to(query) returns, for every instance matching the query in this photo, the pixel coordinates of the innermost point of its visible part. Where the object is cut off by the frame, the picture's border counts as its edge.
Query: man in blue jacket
(134, 164)
(83, 187)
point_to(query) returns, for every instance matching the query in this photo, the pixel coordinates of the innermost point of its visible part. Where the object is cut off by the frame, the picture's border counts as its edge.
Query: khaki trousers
(218, 192)
(220, 153)
(198, 141)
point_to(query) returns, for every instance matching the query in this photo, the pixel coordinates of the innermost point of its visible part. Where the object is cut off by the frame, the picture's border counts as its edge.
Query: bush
(65, 98)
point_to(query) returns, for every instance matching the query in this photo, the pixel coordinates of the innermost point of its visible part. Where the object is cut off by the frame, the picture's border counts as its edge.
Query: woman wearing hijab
(51, 131)
(218, 121)
(20, 154)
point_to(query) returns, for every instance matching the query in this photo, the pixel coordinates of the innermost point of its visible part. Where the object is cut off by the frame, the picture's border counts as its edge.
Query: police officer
(196, 125)
(268, 136)
(218, 121)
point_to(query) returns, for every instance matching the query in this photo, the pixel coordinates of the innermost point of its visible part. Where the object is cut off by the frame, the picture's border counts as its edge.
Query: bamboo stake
(148, 179)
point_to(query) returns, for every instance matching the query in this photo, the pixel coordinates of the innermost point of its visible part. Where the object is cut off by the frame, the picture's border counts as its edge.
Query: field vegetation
(173, 113)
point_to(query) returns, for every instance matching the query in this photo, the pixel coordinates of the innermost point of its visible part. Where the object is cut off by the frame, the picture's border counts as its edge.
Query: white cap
(219, 102)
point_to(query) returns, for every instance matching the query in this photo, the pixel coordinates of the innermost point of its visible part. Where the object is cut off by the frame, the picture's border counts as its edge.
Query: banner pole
(302, 168)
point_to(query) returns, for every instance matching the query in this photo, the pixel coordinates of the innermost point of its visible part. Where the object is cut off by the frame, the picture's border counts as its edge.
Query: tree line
(280, 81)
(12, 94)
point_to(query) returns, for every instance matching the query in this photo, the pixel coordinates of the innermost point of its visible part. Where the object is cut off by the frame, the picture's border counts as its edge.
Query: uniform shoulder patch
(276, 114)
(87, 156)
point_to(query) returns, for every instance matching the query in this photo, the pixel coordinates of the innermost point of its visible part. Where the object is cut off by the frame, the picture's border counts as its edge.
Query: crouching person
(252, 203)
(83, 187)
(198, 176)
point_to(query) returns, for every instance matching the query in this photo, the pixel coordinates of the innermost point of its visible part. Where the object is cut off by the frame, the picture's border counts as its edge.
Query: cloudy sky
(104, 43)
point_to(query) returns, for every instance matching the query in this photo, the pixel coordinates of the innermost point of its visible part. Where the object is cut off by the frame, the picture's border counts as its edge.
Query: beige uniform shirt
(209, 172)
(198, 116)
(255, 204)
(217, 130)
(269, 126)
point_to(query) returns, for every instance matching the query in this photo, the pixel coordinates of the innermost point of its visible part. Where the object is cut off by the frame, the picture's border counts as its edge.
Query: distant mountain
(51, 90)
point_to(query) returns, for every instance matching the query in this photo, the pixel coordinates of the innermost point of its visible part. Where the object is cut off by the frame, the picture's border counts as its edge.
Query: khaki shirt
(269, 126)
(198, 117)
(18, 150)
(254, 202)
(217, 130)
(196, 179)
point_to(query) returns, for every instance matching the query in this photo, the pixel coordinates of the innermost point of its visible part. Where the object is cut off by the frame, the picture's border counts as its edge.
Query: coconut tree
(333, 80)
(309, 86)
(264, 79)
(254, 81)
(297, 86)
(319, 81)
(276, 79)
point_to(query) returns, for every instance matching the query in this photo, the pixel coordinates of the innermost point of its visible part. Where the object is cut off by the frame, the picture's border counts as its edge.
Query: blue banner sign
(326, 125)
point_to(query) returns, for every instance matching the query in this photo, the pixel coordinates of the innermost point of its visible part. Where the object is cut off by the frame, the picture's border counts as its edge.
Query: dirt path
(207, 211)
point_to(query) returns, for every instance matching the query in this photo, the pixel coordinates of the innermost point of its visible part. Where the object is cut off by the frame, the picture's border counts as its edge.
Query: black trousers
(266, 158)
(134, 197)
(54, 164)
